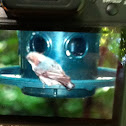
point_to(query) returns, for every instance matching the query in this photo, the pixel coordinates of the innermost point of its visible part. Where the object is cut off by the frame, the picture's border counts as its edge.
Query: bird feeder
(77, 53)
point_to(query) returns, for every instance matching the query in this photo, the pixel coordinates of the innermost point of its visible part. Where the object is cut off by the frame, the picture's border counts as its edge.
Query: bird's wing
(57, 68)
(54, 66)
(59, 78)
(50, 65)
(52, 74)
(39, 71)
(49, 68)
(48, 81)
(62, 78)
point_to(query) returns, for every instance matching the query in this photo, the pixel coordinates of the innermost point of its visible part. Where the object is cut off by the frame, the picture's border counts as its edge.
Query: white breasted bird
(48, 70)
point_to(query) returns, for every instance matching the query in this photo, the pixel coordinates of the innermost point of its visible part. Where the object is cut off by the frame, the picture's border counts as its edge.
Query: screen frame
(118, 118)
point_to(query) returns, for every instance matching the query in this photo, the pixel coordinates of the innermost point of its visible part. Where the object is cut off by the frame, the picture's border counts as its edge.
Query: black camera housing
(63, 15)
(41, 8)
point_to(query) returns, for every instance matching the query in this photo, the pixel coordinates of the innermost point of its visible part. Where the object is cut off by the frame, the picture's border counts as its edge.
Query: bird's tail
(66, 82)
(69, 86)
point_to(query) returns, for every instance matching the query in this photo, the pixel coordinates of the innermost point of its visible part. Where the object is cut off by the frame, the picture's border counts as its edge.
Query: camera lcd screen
(88, 61)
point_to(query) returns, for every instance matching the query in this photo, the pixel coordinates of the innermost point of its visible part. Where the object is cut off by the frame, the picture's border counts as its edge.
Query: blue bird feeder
(77, 53)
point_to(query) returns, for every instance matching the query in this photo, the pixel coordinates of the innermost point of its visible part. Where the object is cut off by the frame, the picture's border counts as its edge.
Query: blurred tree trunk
(87, 107)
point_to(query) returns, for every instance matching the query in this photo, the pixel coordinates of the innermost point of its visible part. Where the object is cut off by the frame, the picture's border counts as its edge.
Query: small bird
(48, 70)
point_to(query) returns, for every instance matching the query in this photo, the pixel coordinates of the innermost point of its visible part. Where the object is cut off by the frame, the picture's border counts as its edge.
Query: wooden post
(119, 107)
(122, 121)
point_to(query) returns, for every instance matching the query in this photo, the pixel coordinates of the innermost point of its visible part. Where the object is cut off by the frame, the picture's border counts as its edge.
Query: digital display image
(60, 74)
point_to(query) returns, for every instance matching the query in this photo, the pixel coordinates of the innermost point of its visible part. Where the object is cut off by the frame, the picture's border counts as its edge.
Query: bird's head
(34, 58)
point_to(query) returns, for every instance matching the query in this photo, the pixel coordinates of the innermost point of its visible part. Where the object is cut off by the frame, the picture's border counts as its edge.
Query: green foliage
(110, 42)
(72, 108)
(8, 48)
(14, 102)
(103, 103)
(123, 45)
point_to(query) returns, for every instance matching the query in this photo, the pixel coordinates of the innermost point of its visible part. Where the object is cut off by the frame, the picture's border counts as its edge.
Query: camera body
(77, 12)
(41, 8)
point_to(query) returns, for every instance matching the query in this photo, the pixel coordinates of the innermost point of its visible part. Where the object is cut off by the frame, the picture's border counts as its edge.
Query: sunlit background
(14, 102)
